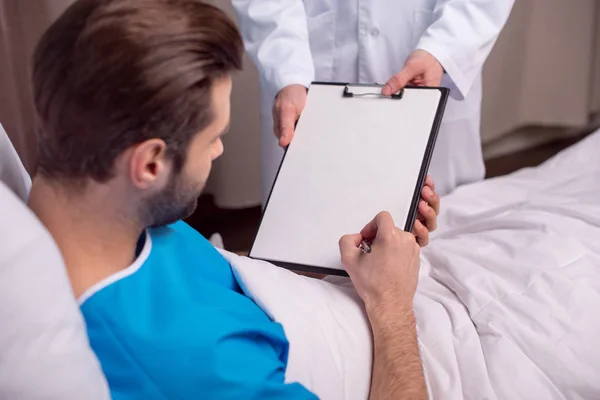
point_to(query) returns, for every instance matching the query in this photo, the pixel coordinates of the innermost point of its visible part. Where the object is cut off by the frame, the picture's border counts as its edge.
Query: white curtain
(543, 72)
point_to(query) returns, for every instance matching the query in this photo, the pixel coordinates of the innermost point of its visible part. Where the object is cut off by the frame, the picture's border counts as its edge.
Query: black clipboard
(348, 91)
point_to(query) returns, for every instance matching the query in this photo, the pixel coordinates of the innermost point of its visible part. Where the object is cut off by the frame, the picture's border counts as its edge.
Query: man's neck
(95, 238)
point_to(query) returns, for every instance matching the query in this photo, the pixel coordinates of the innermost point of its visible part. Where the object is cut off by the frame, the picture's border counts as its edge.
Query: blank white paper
(350, 159)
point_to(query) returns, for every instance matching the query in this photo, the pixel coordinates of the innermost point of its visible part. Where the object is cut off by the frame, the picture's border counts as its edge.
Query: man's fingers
(432, 78)
(434, 203)
(369, 232)
(349, 248)
(350, 241)
(382, 224)
(429, 215)
(422, 234)
(429, 194)
(432, 198)
(398, 81)
(429, 182)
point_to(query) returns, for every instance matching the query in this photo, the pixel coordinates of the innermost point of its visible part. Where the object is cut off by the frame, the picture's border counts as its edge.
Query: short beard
(178, 200)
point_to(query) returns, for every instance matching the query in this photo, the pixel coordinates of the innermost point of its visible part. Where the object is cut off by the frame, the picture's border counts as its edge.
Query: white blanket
(508, 303)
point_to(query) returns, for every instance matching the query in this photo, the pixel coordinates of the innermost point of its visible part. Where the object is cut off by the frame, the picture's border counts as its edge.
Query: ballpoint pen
(364, 247)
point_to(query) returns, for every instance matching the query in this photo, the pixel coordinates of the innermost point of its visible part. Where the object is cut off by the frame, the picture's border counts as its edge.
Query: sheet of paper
(350, 159)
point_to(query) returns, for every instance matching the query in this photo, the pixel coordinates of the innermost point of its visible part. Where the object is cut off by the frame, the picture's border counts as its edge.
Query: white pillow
(330, 337)
(44, 348)
(12, 171)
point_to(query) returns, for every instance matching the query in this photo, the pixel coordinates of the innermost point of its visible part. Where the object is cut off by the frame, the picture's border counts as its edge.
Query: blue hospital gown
(176, 325)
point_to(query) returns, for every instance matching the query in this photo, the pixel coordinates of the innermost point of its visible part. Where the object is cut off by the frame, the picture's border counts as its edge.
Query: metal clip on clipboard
(348, 93)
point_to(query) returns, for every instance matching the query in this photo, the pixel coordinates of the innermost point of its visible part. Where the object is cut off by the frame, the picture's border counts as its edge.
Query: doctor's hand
(428, 211)
(388, 275)
(289, 103)
(420, 69)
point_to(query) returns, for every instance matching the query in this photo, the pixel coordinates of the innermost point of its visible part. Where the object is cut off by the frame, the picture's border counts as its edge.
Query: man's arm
(386, 280)
(457, 42)
(276, 38)
(397, 369)
(462, 36)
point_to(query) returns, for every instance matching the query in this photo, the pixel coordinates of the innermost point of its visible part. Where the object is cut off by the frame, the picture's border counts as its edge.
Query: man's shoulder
(177, 229)
(181, 245)
(181, 236)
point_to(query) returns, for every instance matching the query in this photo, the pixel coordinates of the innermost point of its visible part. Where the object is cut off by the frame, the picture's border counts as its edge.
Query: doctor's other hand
(428, 211)
(420, 69)
(388, 275)
(289, 103)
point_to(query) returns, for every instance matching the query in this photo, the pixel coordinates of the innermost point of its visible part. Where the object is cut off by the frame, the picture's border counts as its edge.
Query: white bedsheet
(508, 303)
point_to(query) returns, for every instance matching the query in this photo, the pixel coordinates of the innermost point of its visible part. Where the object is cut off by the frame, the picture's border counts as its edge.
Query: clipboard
(355, 153)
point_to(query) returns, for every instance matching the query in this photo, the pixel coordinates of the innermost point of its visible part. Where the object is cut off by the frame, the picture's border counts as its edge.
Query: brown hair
(109, 74)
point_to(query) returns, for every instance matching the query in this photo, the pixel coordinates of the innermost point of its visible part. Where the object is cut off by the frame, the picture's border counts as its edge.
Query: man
(417, 42)
(132, 98)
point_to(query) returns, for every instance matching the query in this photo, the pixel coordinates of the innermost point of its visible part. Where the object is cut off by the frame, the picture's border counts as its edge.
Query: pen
(364, 247)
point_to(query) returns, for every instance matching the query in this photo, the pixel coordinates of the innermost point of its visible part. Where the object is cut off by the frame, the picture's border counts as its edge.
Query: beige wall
(22, 22)
(542, 73)
(596, 68)
(236, 175)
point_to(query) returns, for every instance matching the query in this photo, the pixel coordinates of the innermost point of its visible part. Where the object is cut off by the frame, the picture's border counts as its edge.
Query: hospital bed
(507, 305)
(508, 301)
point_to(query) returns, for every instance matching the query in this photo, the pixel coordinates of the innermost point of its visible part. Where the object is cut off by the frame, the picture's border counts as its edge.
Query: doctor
(418, 42)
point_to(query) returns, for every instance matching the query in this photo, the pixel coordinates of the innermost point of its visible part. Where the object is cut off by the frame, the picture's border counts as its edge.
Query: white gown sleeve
(276, 39)
(461, 37)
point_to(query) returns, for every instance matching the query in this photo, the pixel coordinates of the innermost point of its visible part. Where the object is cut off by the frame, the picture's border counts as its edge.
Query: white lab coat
(368, 41)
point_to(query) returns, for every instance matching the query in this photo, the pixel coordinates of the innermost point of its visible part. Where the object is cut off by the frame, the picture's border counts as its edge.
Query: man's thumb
(287, 120)
(398, 81)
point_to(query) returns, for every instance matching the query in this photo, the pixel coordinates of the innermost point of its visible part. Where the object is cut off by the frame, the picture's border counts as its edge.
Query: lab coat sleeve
(276, 39)
(461, 37)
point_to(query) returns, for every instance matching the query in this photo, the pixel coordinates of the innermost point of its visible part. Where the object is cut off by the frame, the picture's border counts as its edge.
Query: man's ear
(149, 166)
